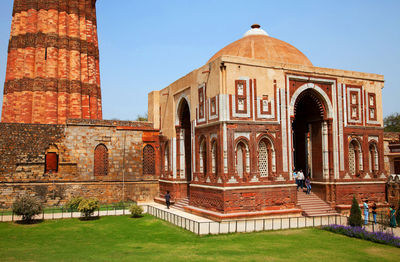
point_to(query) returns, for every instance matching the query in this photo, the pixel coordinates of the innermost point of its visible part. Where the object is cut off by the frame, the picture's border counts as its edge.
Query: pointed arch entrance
(310, 135)
(183, 132)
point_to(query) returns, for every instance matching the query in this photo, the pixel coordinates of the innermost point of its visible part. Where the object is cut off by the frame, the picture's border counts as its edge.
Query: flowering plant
(358, 232)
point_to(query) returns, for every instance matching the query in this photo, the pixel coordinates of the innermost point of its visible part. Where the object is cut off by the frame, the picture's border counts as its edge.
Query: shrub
(358, 232)
(73, 204)
(87, 206)
(27, 207)
(135, 210)
(355, 214)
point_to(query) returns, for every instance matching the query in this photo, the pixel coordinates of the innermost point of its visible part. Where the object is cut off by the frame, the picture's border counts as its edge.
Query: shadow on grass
(29, 222)
(137, 216)
(89, 218)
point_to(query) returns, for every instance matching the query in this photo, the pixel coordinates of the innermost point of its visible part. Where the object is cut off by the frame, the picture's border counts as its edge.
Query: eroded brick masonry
(25, 167)
(53, 63)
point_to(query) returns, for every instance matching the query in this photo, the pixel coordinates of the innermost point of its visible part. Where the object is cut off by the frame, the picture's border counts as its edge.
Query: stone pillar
(53, 63)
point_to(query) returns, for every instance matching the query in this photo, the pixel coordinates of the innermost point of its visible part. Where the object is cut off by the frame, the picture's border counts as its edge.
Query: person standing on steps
(308, 185)
(167, 199)
(366, 211)
(295, 178)
(300, 177)
(392, 214)
(374, 212)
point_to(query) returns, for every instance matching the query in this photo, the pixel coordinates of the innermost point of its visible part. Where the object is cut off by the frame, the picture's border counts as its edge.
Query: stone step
(312, 205)
(181, 204)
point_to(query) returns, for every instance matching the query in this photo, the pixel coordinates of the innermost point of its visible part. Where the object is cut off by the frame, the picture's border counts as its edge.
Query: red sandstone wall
(372, 192)
(248, 200)
(53, 63)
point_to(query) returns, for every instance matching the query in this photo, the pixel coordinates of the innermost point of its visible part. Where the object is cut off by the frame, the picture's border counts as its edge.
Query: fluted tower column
(53, 63)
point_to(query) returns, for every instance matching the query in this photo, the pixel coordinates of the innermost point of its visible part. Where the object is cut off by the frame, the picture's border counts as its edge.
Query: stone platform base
(161, 201)
(216, 216)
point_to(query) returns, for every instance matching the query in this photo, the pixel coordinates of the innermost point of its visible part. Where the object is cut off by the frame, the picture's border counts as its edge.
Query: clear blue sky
(146, 45)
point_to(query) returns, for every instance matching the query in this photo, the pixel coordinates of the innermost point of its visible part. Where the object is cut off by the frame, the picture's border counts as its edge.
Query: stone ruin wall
(22, 165)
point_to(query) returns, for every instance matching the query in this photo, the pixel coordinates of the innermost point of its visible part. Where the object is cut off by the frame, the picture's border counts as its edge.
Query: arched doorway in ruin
(184, 138)
(310, 136)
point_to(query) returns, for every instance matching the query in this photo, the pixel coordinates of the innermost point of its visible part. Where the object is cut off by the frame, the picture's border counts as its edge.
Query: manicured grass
(149, 239)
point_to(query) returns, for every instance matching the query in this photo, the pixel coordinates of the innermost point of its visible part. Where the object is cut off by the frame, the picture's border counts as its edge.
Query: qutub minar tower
(53, 63)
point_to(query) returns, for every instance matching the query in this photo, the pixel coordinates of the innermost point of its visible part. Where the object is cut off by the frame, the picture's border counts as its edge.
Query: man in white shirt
(300, 177)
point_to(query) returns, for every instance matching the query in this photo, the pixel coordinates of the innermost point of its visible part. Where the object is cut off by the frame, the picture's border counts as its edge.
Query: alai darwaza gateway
(233, 130)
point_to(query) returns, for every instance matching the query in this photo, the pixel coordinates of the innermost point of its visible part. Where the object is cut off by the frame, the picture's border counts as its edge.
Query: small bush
(355, 214)
(136, 211)
(73, 204)
(27, 207)
(88, 206)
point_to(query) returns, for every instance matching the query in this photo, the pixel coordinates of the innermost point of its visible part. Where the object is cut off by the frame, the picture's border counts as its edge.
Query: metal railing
(209, 227)
(246, 225)
(61, 212)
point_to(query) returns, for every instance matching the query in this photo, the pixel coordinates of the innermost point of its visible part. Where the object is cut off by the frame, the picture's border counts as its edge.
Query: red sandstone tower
(53, 63)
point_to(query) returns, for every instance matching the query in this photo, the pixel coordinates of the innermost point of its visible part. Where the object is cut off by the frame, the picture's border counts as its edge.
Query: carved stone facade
(268, 110)
(392, 165)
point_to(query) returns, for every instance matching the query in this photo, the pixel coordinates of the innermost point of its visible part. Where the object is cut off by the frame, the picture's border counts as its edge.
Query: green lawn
(149, 239)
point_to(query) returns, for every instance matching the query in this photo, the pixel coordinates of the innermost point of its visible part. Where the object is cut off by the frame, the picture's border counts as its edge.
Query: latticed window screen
(352, 159)
(148, 160)
(263, 159)
(101, 160)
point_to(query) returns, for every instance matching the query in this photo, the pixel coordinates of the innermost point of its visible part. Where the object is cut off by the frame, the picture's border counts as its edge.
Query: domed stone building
(234, 129)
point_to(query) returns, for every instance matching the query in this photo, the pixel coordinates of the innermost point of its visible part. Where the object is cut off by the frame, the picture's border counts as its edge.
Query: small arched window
(214, 155)
(264, 163)
(355, 157)
(101, 160)
(203, 156)
(373, 158)
(241, 158)
(51, 159)
(148, 160)
(166, 157)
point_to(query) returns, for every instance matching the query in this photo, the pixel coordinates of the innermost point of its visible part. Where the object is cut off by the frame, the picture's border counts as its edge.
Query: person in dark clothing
(168, 199)
(374, 212)
(308, 185)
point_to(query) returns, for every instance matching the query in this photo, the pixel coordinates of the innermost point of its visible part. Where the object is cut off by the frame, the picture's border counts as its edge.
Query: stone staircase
(181, 204)
(312, 205)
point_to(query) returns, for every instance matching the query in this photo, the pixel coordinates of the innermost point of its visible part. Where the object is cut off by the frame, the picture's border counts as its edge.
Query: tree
(355, 214)
(27, 207)
(142, 118)
(392, 123)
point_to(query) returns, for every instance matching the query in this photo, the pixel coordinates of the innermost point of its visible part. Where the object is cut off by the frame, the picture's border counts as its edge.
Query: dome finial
(255, 30)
